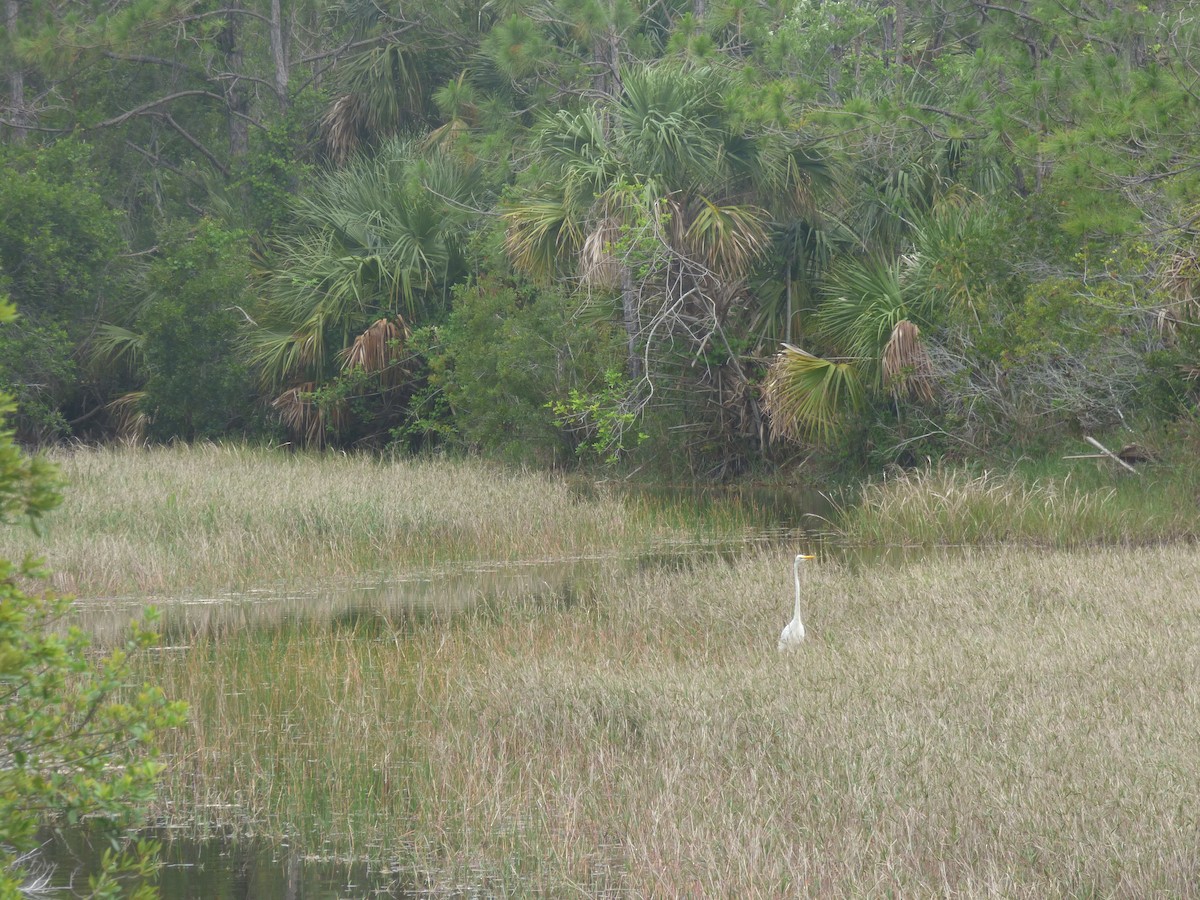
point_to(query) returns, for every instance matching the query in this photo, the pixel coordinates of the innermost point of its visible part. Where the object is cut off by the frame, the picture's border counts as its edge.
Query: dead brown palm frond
(1166, 324)
(342, 127)
(598, 264)
(129, 420)
(305, 418)
(907, 369)
(451, 135)
(379, 349)
(1180, 283)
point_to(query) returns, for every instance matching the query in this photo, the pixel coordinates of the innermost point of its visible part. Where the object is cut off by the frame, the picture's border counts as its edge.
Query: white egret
(793, 632)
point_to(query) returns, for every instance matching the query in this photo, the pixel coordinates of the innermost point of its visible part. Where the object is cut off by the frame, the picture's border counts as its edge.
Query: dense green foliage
(76, 739)
(973, 225)
(196, 385)
(59, 262)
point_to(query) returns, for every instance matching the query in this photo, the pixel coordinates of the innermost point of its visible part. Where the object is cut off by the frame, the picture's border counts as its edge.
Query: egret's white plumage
(793, 632)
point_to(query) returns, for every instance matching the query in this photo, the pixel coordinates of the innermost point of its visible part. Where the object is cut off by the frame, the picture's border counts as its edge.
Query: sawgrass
(1010, 721)
(1014, 723)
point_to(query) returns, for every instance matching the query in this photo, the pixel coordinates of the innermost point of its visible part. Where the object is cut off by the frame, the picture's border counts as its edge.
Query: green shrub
(196, 384)
(60, 265)
(507, 351)
(77, 740)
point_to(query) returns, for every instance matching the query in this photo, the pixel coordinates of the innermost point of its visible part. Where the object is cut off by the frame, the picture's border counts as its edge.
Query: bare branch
(152, 105)
(195, 142)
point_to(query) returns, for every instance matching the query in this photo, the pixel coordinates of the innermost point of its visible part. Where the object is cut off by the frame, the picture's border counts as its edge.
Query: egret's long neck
(796, 575)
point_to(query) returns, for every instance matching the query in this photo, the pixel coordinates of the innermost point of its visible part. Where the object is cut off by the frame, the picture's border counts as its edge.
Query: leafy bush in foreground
(77, 742)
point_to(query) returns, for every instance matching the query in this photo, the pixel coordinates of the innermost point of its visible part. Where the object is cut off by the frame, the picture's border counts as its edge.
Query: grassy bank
(201, 518)
(1088, 506)
(1005, 723)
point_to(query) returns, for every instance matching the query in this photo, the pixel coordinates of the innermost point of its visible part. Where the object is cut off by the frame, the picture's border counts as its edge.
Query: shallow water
(409, 597)
(795, 520)
(224, 869)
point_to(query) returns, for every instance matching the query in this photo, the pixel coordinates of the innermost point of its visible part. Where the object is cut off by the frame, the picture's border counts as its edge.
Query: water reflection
(409, 600)
(760, 506)
(221, 869)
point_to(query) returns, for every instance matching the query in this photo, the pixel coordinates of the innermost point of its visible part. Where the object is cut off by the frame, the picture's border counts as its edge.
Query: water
(226, 869)
(223, 867)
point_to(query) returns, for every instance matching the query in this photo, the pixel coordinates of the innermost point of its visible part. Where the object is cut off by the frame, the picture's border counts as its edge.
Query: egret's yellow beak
(807, 556)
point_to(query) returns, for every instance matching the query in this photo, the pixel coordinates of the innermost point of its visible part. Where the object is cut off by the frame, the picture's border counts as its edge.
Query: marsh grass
(1006, 723)
(952, 506)
(197, 518)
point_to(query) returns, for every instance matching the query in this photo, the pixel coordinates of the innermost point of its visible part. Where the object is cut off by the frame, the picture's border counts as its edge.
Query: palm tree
(375, 247)
(871, 314)
(661, 196)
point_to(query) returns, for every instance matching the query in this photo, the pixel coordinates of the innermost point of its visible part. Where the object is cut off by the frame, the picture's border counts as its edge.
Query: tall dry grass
(1003, 723)
(208, 517)
(951, 506)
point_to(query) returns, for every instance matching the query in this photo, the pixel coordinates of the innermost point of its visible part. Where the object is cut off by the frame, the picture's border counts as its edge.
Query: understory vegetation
(79, 735)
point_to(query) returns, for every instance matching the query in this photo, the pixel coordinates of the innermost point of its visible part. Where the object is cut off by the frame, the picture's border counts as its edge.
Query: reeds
(1006, 723)
(939, 506)
(207, 517)
(1010, 721)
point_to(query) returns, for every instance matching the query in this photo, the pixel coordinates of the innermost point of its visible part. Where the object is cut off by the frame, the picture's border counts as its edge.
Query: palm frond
(114, 343)
(129, 419)
(342, 129)
(280, 355)
(598, 263)
(1180, 281)
(570, 137)
(907, 369)
(863, 302)
(540, 232)
(671, 123)
(809, 397)
(379, 350)
(309, 421)
(728, 238)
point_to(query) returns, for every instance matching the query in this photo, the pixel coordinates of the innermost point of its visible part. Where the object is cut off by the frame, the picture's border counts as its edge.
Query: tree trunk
(235, 94)
(788, 282)
(16, 78)
(279, 54)
(888, 36)
(606, 62)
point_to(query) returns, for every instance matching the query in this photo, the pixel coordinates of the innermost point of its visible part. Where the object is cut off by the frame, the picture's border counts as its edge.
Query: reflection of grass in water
(1017, 723)
(720, 508)
(944, 506)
